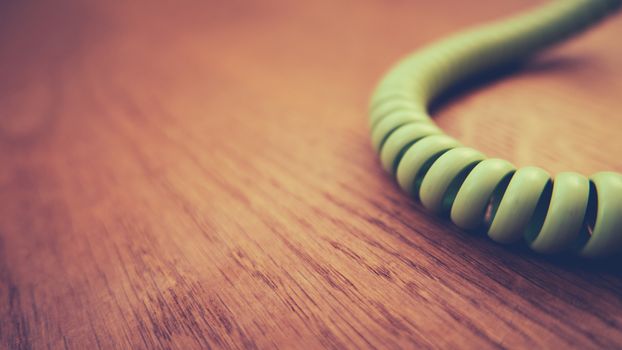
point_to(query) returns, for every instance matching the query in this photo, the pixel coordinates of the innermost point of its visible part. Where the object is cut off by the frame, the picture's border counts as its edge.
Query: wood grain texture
(198, 174)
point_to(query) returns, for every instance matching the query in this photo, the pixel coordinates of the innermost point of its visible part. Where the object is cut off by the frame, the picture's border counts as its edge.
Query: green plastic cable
(568, 213)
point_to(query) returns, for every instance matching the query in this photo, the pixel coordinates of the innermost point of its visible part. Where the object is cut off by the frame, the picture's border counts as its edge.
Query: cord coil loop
(569, 212)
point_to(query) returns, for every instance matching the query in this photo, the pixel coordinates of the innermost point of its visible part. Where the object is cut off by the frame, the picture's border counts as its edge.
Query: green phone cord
(570, 213)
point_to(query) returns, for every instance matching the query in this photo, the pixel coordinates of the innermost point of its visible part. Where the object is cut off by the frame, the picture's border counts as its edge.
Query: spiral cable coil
(568, 213)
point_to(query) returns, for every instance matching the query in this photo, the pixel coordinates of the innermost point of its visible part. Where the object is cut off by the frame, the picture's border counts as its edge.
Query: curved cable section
(568, 213)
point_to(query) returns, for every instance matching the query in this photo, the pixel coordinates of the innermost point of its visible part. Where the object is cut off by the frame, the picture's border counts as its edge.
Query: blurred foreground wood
(198, 174)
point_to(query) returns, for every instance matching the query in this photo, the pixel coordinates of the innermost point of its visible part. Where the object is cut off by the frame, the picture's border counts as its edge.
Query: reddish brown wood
(196, 174)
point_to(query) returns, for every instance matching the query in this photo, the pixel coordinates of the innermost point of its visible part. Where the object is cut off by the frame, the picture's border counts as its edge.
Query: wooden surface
(199, 175)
